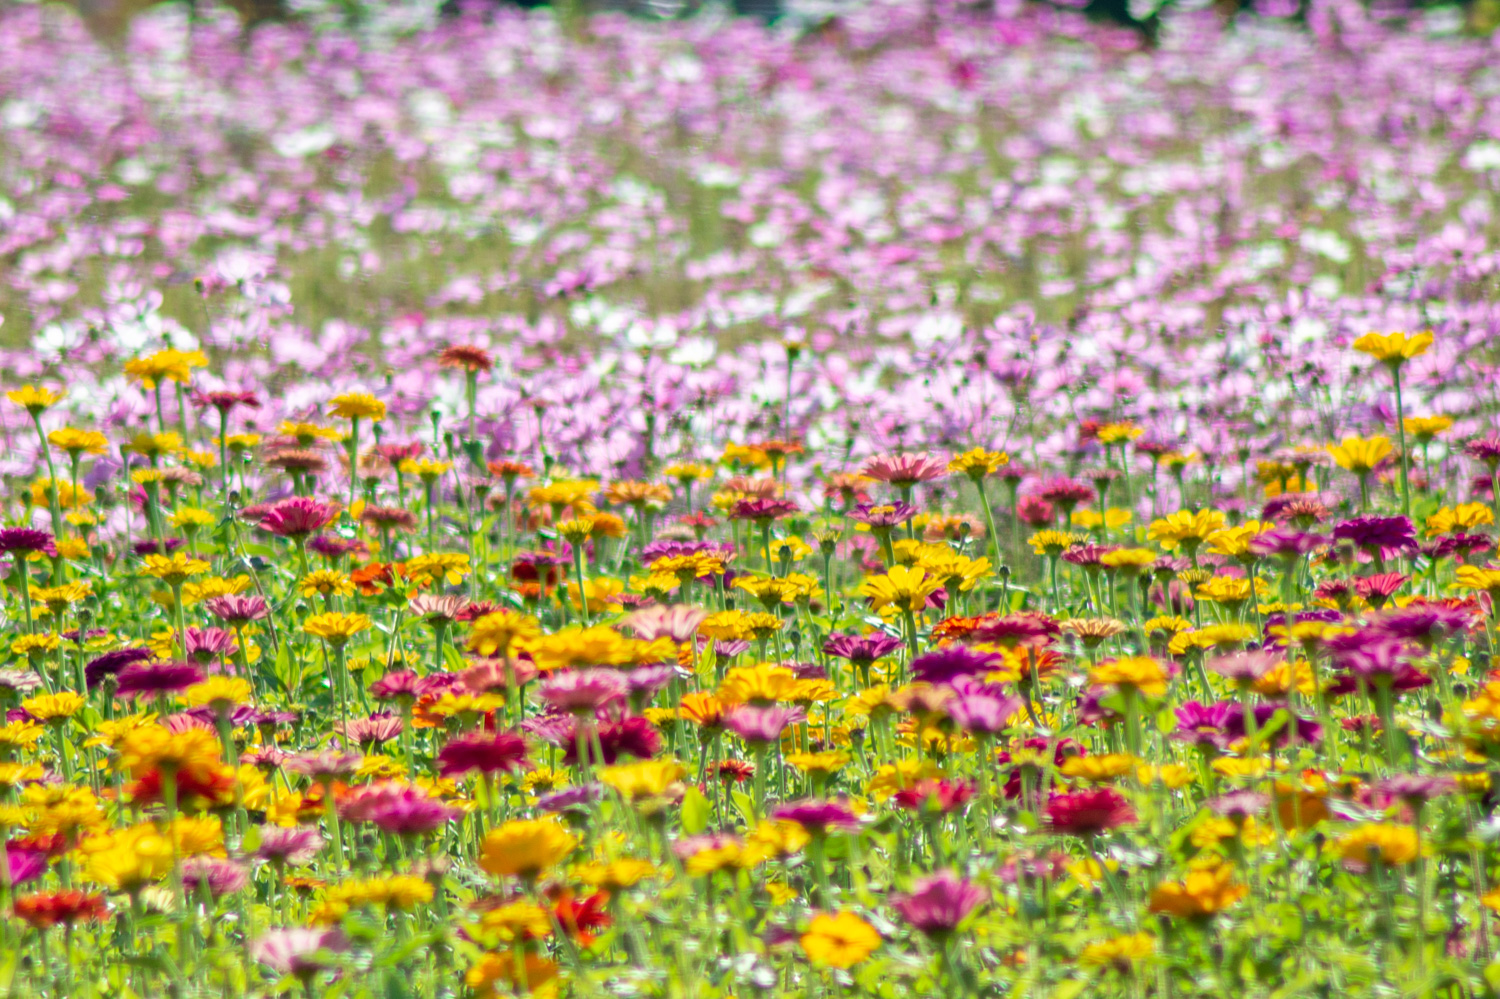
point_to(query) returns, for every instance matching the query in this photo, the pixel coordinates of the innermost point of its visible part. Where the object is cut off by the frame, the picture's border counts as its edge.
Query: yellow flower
(1474, 577)
(1118, 952)
(175, 569)
(219, 692)
(34, 399)
(601, 593)
(518, 920)
(764, 683)
(494, 634)
(127, 859)
(1360, 455)
(1393, 349)
(1391, 844)
(903, 587)
(1464, 517)
(978, 463)
(20, 735)
(334, 628)
(839, 940)
(1053, 542)
(1203, 892)
(356, 406)
(190, 519)
(327, 583)
(53, 707)
(451, 567)
(169, 365)
(1116, 433)
(1128, 560)
(825, 762)
(1235, 541)
(148, 747)
(644, 779)
(526, 847)
(616, 874)
(1098, 769)
(1185, 528)
(1140, 673)
(35, 645)
(1425, 428)
(75, 442)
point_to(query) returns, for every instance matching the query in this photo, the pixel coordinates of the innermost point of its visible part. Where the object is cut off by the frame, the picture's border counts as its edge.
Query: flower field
(937, 502)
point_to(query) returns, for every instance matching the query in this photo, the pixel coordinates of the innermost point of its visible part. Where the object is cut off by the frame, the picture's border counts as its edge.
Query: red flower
(579, 918)
(46, 909)
(1088, 813)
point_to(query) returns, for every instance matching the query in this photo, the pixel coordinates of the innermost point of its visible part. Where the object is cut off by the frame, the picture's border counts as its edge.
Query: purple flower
(570, 798)
(1285, 543)
(111, 663)
(397, 809)
(1202, 725)
(295, 846)
(150, 678)
(237, 609)
(582, 690)
(299, 952)
(762, 726)
(862, 650)
(940, 903)
(24, 541)
(946, 665)
(1424, 624)
(817, 817)
(884, 516)
(1386, 536)
(486, 752)
(221, 877)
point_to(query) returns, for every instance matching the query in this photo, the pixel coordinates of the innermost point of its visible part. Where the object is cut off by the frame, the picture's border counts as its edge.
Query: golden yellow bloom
(54, 707)
(34, 399)
(1388, 843)
(175, 569)
(199, 590)
(1393, 349)
(494, 634)
(334, 628)
(902, 587)
(219, 692)
(1116, 433)
(165, 365)
(763, 683)
(1128, 560)
(564, 493)
(326, 583)
(1185, 528)
(1425, 428)
(1464, 517)
(686, 472)
(190, 519)
(1360, 455)
(1140, 673)
(978, 463)
(1053, 542)
(356, 406)
(1235, 541)
(1203, 892)
(73, 441)
(20, 735)
(127, 859)
(526, 847)
(643, 779)
(616, 874)
(306, 433)
(35, 645)
(1098, 769)
(840, 940)
(1474, 577)
(452, 567)
(1119, 952)
(518, 920)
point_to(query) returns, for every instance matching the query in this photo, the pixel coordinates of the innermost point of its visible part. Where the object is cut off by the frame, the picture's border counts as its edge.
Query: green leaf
(696, 811)
(745, 804)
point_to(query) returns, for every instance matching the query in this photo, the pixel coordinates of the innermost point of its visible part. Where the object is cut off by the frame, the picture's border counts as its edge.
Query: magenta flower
(940, 903)
(299, 952)
(486, 752)
(298, 517)
(237, 609)
(904, 469)
(151, 678)
(293, 846)
(761, 726)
